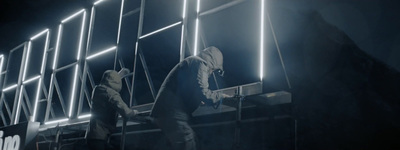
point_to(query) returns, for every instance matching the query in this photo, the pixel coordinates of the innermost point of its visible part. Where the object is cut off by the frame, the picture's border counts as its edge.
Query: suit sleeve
(209, 97)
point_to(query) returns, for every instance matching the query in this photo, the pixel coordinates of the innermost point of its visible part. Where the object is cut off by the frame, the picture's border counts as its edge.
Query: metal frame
(12, 114)
(54, 82)
(39, 77)
(83, 73)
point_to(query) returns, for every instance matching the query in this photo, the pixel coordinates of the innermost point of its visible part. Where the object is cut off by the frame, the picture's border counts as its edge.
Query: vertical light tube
(18, 105)
(184, 9)
(36, 100)
(1, 65)
(73, 91)
(39, 34)
(197, 28)
(120, 21)
(182, 42)
(183, 30)
(33, 119)
(262, 42)
(81, 36)
(97, 2)
(57, 47)
(44, 53)
(27, 60)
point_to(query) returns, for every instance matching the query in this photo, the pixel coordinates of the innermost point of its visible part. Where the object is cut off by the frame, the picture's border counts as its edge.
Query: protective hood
(213, 57)
(112, 79)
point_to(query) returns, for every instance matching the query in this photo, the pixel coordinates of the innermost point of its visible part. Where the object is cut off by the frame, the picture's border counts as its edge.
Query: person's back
(177, 93)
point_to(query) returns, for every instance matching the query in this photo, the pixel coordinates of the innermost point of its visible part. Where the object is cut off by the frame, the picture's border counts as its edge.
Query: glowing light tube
(184, 9)
(57, 46)
(39, 34)
(56, 121)
(81, 36)
(27, 60)
(31, 79)
(1, 64)
(120, 21)
(18, 105)
(196, 28)
(72, 16)
(98, 2)
(195, 37)
(73, 91)
(84, 116)
(10, 88)
(44, 53)
(36, 100)
(262, 42)
(102, 52)
(162, 29)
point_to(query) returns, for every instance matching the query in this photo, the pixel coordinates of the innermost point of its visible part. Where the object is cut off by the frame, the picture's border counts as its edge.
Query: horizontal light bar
(84, 116)
(39, 34)
(102, 52)
(98, 2)
(31, 79)
(162, 29)
(72, 16)
(10, 87)
(57, 121)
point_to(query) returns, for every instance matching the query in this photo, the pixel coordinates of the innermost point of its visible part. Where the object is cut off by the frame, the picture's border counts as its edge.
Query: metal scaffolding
(113, 35)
